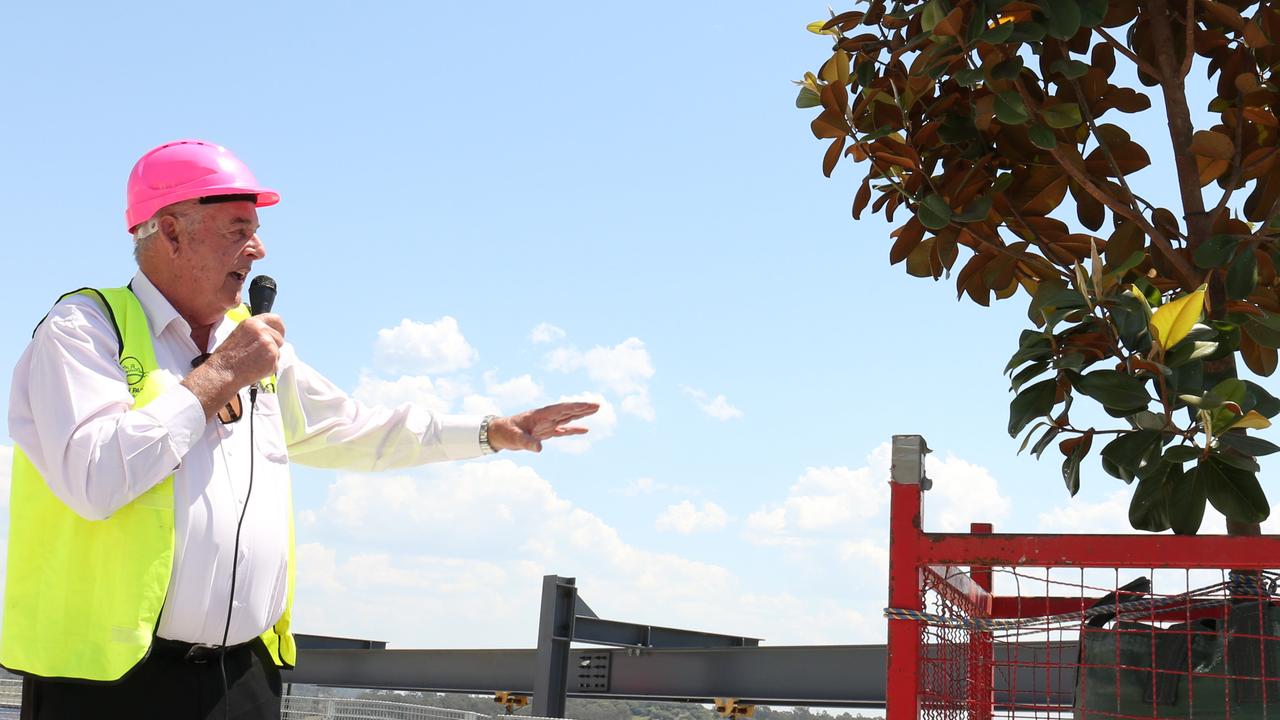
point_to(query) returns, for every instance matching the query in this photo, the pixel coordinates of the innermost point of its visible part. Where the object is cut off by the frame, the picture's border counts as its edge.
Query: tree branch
(1147, 67)
(1184, 273)
(1190, 22)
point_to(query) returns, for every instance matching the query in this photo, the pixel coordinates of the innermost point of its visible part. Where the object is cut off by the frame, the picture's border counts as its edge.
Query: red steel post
(906, 478)
(982, 648)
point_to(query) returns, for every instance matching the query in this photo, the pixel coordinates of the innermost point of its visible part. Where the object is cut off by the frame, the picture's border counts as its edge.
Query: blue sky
(634, 180)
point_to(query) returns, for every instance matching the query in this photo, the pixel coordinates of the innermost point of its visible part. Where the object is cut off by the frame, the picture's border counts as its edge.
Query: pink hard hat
(187, 169)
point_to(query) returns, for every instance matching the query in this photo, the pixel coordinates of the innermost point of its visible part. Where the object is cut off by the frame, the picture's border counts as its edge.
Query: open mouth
(239, 275)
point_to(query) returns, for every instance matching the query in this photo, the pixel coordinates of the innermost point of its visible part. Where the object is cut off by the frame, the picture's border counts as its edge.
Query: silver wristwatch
(485, 447)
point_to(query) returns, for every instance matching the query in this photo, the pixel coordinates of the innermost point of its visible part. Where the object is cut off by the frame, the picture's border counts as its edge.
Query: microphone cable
(235, 559)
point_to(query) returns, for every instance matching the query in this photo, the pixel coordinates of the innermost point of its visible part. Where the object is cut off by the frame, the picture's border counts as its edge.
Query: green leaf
(1025, 354)
(866, 72)
(1062, 115)
(1002, 183)
(1131, 452)
(1230, 389)
(1234, 492)
(1215, 252)
(807, 98)
(1247, 444)
(1147, 420)
(1027, 373)
(1070, 69)
(1115, 390)
(934, 212)
(998, 34)
(1039, 448)
(1070, 361)
(1265, 330)
(1063, 16)
(1008, 69)
(1093, 12)
(1026, 32)
(934, 12)
(1010, 110)
(1179, 454)
(1186, 501)
(1257, 398)
(976, 211)
(1071, 466)
(1242, 276)
(1042, 136)
(1228, 457)
(970, 77)
(1036, 401)
(1149, 507)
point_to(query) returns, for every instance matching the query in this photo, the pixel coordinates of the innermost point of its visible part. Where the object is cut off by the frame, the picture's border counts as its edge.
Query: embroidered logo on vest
(133, 373)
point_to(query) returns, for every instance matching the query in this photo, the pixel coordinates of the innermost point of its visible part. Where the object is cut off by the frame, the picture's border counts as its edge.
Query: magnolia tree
(976, 119)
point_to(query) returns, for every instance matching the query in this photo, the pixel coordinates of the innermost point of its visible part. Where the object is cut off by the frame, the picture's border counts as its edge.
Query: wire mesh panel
(1098, 643)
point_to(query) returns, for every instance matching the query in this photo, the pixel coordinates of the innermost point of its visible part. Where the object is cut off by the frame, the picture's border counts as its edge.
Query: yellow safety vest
(83, 597)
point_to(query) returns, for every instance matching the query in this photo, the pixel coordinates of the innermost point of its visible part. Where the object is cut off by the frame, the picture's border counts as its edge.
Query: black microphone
(262, 295)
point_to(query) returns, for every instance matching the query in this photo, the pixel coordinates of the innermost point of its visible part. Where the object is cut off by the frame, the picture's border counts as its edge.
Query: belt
(190, 652)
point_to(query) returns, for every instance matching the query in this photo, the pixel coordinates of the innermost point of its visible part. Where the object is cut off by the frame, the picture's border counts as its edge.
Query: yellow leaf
(1172, 321)
(1252, 420)
(815, 27)
(1134, 291)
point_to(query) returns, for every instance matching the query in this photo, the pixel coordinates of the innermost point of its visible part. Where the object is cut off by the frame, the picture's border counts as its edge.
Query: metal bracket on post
(907, 461)
(555, 631)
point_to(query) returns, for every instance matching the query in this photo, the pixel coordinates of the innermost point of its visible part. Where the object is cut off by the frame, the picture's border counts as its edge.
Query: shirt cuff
(460, 436)
(178, 411)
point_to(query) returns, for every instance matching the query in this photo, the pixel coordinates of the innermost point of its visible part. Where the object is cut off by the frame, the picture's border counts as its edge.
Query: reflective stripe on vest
(83, 597)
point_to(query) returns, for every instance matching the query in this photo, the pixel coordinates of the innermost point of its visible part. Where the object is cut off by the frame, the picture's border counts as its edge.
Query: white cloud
(437, 396)
(414, 347)
(962, 493)
(649, 486)
(686, 518)
(717, 407)
(421, 572)
(822, 499)
(1110, 515)
(516, 393)
(546, 333)
(599, 426)
(624, 369)
(639, 405)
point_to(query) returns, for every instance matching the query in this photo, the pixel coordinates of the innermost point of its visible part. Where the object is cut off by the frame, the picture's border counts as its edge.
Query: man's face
(222, 245)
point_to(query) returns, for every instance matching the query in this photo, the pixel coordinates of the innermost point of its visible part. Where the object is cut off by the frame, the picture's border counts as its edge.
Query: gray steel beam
(555, 632)
(821, 675)
(614, 632)
(835, 675)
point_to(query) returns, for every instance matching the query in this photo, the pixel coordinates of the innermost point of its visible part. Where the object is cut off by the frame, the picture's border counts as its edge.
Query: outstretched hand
(528, 429)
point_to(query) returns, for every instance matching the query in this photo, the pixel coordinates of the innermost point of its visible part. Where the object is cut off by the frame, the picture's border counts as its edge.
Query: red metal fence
(985, 625)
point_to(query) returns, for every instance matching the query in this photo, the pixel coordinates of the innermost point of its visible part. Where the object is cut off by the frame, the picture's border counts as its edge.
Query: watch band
(485, 447)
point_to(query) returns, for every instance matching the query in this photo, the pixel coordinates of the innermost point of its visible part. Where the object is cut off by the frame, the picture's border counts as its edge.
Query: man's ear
(171, 233)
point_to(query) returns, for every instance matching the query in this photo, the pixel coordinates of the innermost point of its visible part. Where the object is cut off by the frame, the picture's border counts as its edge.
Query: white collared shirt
(71, 413)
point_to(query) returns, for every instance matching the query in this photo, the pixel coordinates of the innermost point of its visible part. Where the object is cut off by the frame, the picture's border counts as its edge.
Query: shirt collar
(160, 312)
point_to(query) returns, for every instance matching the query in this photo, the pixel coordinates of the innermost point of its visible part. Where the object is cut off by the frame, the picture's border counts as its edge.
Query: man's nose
(256, 249)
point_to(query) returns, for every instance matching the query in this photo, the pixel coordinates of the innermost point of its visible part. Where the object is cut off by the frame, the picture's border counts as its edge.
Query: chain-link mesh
(1101, 643)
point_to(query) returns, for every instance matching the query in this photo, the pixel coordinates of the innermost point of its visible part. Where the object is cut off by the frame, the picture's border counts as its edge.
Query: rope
(1247, 585)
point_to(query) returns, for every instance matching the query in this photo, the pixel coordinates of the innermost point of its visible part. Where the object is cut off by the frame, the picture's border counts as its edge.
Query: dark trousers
(166, 686)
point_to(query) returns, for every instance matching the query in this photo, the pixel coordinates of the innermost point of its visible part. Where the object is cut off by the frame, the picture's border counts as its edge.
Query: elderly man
(150, 570)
